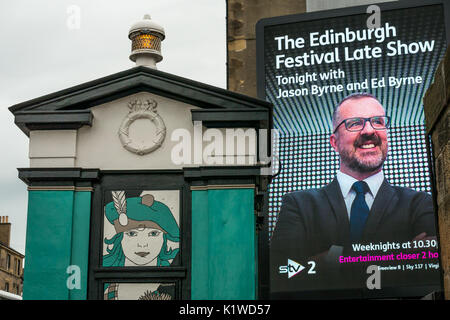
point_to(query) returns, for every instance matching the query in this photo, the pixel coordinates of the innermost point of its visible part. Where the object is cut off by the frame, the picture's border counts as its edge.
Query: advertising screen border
(264, 258)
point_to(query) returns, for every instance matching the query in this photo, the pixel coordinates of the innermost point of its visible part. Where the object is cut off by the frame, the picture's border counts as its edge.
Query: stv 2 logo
(293, 268)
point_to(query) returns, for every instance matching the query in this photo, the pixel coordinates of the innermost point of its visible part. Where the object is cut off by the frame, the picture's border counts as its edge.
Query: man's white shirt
(345, 182)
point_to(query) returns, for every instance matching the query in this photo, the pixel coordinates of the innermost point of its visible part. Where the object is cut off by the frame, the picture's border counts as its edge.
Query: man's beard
(364, 165)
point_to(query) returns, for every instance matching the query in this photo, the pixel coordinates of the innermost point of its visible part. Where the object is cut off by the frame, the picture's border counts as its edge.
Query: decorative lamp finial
(146, 37)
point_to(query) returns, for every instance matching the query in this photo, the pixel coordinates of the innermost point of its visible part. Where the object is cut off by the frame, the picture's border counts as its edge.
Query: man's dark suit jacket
(311, 221)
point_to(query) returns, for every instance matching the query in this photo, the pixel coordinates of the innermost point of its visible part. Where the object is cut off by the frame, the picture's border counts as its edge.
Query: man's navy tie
(359, 211)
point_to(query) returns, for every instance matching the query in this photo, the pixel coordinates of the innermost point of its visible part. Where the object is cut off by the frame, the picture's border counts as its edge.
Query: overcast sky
(43, 51)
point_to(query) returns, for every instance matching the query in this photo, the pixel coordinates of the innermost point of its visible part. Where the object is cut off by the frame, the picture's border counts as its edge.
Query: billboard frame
(263, 250)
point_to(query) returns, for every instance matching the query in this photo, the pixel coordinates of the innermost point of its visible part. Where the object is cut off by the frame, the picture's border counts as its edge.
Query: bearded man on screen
(359, 206)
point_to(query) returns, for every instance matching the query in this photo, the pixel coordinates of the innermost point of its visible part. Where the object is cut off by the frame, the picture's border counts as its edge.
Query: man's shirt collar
(345, 182)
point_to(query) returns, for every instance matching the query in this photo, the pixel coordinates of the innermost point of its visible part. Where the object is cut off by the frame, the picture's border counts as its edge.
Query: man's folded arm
(289, 238)
(423, 218)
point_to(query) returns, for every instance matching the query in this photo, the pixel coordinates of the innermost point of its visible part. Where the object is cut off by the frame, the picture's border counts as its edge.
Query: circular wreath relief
(142, 110)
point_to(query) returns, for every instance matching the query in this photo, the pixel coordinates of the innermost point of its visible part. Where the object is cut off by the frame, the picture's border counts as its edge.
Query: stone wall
(437, 118)
(12, 275)
(242, 16)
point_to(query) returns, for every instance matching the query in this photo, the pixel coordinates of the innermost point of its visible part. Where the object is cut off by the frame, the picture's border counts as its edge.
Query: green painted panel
(227, 243)
(80, 242)
(48, 244)
(232, 244)
(199, 270)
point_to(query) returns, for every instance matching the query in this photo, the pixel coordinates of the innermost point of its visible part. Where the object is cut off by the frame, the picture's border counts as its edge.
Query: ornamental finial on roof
(146, 36)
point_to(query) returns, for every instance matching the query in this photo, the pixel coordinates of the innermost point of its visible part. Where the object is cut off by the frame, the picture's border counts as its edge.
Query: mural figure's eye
(154, 233)
(131, 233)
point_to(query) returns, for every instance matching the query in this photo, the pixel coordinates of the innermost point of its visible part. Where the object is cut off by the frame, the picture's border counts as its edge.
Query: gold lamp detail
(146, 37)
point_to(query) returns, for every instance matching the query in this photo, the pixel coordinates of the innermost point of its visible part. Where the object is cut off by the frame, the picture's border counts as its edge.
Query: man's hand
(319, 257)
(423, 236)
(331, 256)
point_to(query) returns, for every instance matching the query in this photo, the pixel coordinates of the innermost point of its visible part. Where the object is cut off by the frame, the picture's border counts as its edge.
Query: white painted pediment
(142, 131)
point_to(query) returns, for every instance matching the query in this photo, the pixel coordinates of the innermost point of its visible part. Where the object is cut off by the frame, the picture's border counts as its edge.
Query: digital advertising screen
(351, 211)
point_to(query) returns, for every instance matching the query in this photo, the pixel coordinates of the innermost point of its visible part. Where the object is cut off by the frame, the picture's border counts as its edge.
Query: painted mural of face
(141, 246)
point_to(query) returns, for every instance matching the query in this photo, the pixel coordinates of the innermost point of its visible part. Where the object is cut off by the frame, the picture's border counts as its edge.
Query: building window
(18, 267)
(118, 263)
(8, 261)
(6, 286)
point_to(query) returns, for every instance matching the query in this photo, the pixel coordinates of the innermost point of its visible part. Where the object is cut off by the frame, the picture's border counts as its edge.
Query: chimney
(5, 230)
(146, 37)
